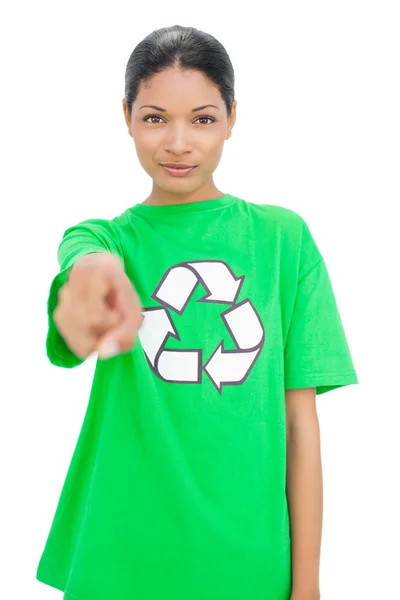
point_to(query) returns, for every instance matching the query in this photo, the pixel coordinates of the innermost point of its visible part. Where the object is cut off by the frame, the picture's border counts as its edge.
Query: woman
(196, 475)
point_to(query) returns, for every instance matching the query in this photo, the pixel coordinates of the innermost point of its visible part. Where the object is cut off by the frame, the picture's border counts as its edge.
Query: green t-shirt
(177, 486)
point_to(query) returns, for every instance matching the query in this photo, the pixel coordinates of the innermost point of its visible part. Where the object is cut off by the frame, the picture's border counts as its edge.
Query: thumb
(108, 347)
(119, 339)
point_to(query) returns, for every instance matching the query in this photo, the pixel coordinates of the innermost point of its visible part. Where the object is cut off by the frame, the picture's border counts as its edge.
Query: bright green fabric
(93, 235)
(176, 488)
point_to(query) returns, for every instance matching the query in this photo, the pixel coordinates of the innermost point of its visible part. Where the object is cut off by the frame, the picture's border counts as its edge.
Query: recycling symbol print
(224, 367)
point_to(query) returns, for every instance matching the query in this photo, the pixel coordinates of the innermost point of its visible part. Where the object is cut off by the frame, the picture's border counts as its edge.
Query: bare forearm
(305, 501)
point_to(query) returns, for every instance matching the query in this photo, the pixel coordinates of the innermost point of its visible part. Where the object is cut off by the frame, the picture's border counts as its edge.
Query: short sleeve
(317, 353)
(87, 237)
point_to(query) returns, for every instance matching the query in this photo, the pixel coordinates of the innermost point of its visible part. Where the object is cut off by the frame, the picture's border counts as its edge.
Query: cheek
(215, 138)
(145, 146)
(144, 156)
(213, 147)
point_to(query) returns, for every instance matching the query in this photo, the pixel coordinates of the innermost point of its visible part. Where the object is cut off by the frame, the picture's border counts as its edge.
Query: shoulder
(93, 225)
(278, 214)
(291, 230)
(98, 227)
(284, 222)
(90, 235)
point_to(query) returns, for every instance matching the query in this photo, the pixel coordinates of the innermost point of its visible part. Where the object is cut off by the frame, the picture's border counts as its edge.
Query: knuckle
(62, 294)
(56, 314)
(81, 353)
(112, 320)
(82, 347)
(59, 317)
(96, 318)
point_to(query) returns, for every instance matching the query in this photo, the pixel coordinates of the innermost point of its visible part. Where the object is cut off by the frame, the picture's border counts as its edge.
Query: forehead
(188, 89)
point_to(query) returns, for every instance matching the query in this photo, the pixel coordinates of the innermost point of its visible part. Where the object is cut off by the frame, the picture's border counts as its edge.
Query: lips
(178, 166)
(178, 172)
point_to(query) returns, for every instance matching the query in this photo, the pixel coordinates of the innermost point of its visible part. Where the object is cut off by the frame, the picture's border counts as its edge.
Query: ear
(126, 115)
(231, 120)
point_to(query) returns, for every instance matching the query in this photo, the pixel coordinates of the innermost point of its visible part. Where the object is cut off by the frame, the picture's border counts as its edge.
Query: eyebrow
(165, 110)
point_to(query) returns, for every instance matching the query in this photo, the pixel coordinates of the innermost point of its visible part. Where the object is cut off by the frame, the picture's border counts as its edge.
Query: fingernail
(108, 349)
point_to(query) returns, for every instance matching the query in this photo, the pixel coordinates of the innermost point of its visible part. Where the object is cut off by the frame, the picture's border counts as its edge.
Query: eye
(210, 118)
(158, 117)
(151, 117)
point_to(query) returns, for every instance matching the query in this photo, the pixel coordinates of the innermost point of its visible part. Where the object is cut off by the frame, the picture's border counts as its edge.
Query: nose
(177, 139)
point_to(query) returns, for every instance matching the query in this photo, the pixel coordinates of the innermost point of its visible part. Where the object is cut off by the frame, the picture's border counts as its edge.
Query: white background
(317, 85)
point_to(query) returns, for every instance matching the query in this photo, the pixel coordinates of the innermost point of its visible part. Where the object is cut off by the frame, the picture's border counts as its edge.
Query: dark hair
(181, 47)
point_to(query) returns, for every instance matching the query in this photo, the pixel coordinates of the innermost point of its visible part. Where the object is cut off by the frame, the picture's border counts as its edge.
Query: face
(177, 133)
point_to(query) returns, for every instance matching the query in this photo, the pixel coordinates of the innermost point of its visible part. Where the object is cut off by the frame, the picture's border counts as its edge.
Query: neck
(161, 197)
